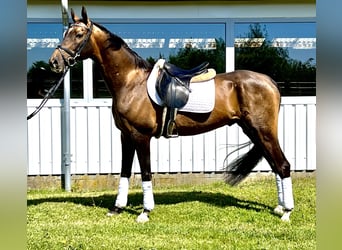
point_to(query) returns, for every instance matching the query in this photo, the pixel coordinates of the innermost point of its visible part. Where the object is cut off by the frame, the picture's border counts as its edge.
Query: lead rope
(49, 94)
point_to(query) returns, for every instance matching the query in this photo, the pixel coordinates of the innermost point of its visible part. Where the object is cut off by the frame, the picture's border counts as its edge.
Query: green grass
(213, 216)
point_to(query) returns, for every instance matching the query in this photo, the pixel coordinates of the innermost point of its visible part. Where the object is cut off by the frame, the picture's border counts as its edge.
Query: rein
(70, 61)
(49, 94)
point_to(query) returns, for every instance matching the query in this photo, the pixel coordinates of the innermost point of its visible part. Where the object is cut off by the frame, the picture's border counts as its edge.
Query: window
(285, 51)
(184, 44)
(42, 39)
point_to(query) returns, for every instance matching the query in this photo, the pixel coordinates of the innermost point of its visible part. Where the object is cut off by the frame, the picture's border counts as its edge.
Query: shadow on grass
(164, 198)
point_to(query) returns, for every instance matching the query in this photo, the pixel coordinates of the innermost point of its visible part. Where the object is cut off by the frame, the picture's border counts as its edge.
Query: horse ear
(73, 16)
(84, 15)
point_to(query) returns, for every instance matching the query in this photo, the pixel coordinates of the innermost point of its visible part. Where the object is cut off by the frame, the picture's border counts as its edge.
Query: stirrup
(171, 130)
(171, 127)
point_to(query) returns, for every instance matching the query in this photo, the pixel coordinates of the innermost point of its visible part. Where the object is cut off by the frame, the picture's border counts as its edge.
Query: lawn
(211, 216)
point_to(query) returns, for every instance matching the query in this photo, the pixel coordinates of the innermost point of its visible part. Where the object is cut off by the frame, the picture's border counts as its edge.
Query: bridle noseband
(72, 59)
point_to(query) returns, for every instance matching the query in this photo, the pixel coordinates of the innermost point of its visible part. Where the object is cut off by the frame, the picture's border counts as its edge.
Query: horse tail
(242, 166)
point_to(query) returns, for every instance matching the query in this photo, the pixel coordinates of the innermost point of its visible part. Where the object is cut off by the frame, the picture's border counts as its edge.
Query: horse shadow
(161, 198)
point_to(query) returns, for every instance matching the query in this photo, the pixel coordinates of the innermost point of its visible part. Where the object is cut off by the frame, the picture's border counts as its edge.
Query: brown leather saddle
(173, 89)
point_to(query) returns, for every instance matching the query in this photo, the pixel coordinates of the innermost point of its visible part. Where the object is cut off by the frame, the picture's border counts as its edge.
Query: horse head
(74, 44)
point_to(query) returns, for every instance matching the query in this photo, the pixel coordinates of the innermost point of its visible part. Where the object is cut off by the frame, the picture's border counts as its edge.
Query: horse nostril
(53, 63)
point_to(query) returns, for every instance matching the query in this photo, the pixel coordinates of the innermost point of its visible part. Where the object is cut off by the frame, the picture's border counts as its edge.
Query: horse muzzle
(56, 62)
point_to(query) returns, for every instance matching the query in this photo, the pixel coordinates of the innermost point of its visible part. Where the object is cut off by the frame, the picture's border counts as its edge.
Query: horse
(247, 98)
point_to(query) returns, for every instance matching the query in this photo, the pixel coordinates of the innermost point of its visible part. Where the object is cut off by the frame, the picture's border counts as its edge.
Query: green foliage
(191, 57)
(213, 216)
(272, 61)
(41, 78)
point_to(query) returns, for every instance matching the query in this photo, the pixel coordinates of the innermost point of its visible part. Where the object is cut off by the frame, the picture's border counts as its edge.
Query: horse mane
(116, 43)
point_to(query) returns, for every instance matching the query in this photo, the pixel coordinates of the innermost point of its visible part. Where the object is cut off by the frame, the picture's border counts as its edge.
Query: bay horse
(250, 99)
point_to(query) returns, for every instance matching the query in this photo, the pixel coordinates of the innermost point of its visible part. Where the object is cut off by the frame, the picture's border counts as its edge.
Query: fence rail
(96, 146)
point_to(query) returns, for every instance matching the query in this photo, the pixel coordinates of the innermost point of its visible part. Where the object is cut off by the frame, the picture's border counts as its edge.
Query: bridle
(70, 62)
(72, 59)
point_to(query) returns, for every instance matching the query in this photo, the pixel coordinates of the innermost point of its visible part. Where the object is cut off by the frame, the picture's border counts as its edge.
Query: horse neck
(115, 65)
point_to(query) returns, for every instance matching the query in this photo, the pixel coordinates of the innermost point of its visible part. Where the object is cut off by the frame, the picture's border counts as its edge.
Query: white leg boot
(279, 209)
(148, 202)
(122, 197)
(288, 198)
(285, 198)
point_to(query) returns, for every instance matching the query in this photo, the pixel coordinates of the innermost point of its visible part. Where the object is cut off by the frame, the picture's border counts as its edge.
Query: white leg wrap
(148, 195)
(121, 199)
(287, 193)
(280, 190)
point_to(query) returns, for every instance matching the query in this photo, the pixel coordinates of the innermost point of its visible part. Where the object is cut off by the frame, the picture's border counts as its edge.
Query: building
(163, 28)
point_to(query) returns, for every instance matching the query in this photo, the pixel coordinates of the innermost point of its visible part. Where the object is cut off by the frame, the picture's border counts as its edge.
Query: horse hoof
(279, 210)
(286, 216)
(115, 211)
(143, 218)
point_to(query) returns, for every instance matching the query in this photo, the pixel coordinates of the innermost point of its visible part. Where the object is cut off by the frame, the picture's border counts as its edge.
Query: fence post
(66, 156)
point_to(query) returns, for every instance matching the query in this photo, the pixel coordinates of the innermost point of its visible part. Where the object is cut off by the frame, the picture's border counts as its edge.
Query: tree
(264, 58)
(41, 78)
(189, 57)
(275, 62)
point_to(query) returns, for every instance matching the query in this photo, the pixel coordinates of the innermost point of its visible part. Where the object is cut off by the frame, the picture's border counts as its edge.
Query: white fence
(96, 146)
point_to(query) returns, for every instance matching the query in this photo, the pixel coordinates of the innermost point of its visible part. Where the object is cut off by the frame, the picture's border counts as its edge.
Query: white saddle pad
(201, 98)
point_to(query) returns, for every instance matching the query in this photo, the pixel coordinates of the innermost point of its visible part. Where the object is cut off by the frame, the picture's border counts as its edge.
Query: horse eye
(79, 35)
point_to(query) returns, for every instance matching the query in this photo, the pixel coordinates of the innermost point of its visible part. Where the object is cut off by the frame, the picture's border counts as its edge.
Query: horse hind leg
(280, 165)
(267, 139)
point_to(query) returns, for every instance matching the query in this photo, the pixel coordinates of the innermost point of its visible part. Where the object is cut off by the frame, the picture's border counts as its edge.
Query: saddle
(173, 89)
(173, 84)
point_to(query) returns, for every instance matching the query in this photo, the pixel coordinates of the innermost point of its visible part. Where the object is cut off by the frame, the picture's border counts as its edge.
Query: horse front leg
(143, 152)
(128, 150)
